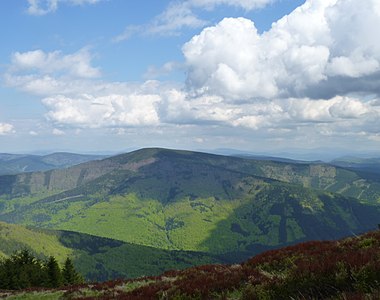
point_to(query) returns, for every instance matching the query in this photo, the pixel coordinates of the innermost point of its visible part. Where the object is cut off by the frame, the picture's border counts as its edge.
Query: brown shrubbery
(347, 269)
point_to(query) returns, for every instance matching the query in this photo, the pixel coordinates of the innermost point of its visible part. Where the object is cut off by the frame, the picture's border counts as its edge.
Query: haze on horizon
(263, 76)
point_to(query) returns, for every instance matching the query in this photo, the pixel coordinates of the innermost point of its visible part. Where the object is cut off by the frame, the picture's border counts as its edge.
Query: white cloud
(43, 7)
(58, 132)
(50, 73)
(322, 43)
(88, 111)
(245, 4)
(176, 17)
(6, 128)
(165, 69)
(128, 32)
(305, 77)
(77, 64)
(181, 14)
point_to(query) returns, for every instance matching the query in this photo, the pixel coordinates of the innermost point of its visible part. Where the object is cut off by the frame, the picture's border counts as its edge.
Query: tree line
(23, 270)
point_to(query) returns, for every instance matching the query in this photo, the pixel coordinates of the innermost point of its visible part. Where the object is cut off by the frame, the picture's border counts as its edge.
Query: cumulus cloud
(43, 7)
(6, 128)
(322, 43)
(88, 111)
(306, 76)
(77, 64)
(48, 73)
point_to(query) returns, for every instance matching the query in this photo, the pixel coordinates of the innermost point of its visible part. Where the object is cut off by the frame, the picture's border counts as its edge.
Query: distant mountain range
(228, 207)
(360, 164)
(20, 163)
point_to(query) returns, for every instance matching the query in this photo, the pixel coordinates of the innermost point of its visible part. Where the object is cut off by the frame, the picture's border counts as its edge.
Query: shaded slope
(97, 258)
(350, 270)
(193, 201)
(183, 200)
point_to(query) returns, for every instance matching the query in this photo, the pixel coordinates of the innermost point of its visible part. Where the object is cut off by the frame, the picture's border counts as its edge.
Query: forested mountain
(182, 200)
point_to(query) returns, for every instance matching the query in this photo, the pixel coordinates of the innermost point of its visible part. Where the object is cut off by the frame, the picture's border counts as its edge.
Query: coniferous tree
(70, 275)
(53, 273)
(23, 270)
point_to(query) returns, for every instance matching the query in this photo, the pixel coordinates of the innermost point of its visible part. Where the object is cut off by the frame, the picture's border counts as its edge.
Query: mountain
(182, 200)
(350, 269)
(356, 163)
(98, 259)
(20, 163)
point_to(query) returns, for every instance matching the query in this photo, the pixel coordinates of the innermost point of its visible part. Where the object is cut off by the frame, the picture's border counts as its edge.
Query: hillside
(350, 270)
(182, 200)
(357, 184)
(361, 164)
(21, 163)
(98, 259)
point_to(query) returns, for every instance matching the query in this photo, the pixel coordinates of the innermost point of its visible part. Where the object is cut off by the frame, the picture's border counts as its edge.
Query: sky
(262, 76)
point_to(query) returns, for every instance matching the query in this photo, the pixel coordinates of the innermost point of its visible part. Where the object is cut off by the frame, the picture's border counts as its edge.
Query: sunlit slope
(96, 258)
(194, 201)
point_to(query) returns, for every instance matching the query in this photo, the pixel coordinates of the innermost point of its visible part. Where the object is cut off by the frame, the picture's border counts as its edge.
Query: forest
(23, 270)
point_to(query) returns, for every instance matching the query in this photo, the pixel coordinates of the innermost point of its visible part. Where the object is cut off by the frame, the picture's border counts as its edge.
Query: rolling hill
(182, 200)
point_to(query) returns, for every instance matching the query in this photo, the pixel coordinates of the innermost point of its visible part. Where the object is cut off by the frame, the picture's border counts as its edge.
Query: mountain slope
(360, 164)
(97, 258)
(20, 163)
(190, 201)
(350, 270)
(361, 185)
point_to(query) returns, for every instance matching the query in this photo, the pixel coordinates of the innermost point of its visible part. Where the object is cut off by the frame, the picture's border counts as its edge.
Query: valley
(229, 208)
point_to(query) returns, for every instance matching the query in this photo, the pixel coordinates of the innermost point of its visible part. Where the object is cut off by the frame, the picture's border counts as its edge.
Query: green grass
(268, 216)
(43, 244)
(97, 258)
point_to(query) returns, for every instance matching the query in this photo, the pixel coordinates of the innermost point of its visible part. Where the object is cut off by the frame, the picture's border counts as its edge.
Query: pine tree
(70, 275)
(21, 270)
(53, 272)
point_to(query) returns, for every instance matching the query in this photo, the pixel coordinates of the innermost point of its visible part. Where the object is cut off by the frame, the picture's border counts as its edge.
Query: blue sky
(264, 76)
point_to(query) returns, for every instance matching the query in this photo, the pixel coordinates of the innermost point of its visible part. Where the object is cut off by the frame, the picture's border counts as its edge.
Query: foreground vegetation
(98, 259)
(23, 270)
(345, 269)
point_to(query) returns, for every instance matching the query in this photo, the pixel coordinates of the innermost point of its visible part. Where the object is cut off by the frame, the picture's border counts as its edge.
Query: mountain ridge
(186, 200)
(11, 164)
